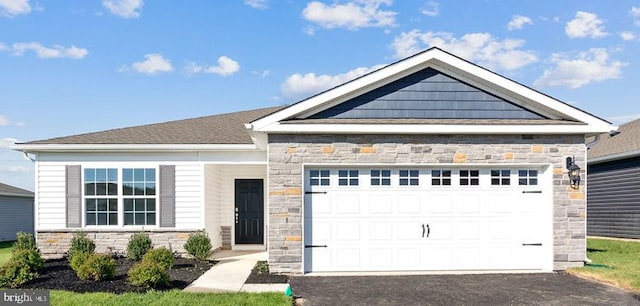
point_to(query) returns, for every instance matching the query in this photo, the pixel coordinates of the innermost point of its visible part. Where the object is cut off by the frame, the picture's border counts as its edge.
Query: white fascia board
(429, 129)
(613, 157)
(31, 148)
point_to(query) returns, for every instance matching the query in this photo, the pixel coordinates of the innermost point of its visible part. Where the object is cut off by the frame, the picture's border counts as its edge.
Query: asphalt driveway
(480, 289)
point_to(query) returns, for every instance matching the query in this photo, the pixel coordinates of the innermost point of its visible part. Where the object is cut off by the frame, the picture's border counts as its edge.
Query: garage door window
(527, 177)
(441, 177)
(319, 177)
(409, 177)
(348, 177)
(500, 177)
(380, 177)
(469, 177)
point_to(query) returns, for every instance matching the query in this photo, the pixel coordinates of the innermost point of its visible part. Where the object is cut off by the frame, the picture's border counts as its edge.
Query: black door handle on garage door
(427, 229)
(532, 244)
(315, 246)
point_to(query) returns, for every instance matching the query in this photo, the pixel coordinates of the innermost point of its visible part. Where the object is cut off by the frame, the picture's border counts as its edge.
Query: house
(613, 205)
(430, 163)
(17, 212)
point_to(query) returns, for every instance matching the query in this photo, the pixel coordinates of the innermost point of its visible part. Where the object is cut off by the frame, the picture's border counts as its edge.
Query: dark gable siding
(613, 199)
(427, 94)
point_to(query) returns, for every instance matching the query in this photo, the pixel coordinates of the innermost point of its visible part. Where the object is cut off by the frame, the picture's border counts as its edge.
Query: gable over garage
(429, 164)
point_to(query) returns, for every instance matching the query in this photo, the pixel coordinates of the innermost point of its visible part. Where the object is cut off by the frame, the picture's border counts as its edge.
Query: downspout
(27, 157)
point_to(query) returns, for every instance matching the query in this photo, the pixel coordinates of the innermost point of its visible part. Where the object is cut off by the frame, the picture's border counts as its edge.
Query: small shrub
(80, 243)
(15, 273)
(24, 241)
(262, 267)
(162, 256)
(198, 245)
(139, 244)
(148, 274)
(78, 258)
(97, 267)
(28, 257)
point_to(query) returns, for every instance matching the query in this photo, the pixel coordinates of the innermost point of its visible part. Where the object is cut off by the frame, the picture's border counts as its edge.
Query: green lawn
(174, 297)
(5, 251)
(614, 261)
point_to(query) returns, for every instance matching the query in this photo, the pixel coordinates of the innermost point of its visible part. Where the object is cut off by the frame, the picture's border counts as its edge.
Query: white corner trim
(131, 147)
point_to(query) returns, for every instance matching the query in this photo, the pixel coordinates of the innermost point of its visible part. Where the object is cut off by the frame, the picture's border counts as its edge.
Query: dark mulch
(56, 274)
(260, 275)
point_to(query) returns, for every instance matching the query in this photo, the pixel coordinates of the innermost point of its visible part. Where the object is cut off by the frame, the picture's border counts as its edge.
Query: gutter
(32, 148)
(17, 195)
(613, 157)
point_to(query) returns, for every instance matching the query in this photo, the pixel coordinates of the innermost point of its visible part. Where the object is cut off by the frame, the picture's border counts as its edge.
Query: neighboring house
(430, 163)
(17, 212)
(613, 205)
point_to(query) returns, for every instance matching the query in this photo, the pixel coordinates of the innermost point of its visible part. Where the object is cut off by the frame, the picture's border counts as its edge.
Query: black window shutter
(73, 179)
(167, 196)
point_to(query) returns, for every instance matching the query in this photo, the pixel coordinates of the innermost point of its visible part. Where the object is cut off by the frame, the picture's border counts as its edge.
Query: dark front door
(249, 212)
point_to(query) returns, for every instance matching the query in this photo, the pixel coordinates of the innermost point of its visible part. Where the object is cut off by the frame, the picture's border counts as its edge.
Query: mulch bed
(260, 275)
(56, 274)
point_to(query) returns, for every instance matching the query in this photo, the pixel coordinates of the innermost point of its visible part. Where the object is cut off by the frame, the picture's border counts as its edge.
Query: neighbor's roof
(8, 190)
(216, 129)
(612, 146)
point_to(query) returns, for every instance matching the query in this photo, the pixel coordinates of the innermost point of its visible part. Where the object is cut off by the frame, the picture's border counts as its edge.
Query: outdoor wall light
(574, 173)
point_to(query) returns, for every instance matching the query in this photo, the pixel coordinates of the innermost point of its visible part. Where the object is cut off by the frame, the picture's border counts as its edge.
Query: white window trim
(120, 196)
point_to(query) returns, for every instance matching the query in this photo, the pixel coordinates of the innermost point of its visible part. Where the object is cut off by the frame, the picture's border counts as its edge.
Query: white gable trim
(447, 63)
(32, 148)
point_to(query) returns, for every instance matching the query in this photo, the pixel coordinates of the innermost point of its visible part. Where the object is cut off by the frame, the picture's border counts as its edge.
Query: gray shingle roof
(216, 129)
(11, 190)
(627, 140)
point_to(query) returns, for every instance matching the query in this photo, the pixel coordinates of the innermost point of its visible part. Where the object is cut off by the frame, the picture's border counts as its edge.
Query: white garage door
(417, 218)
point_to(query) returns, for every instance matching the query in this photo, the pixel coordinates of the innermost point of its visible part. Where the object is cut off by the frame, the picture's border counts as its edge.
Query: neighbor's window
(469, 177)
(139, 194)
(380, 177)
(527, 177)
(101, 196)
(500, 177)
(409, 177)
(348, 177)
(319, 178)
(441, 177)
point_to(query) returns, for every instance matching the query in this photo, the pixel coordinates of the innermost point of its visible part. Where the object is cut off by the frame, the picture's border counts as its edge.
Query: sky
(76, 66)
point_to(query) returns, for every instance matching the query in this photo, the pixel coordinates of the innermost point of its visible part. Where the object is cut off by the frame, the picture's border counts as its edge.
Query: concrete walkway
(230, 273)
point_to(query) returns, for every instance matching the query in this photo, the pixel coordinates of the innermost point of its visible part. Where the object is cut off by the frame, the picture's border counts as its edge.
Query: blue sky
(70, 67)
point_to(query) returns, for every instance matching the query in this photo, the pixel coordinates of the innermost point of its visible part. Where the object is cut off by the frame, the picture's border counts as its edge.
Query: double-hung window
(117, 197)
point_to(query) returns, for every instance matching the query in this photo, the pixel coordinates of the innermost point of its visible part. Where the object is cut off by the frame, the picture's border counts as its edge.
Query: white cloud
(257, 4)
(480, 48)
(262, 74)
(56, 51)
(623, 119)
(626, 35)
(124, 8)
(517, 22)
(635, 12)
(586, 67)
(299, 86)
(154, 63)
(585, 25)
(5, 121)
(10, 8)
(5, 143)
(352, 15)
(431, 8)
(226, 66)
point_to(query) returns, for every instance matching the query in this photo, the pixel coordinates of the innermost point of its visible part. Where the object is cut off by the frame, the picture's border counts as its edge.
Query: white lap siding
(50, 196)
(189, 196)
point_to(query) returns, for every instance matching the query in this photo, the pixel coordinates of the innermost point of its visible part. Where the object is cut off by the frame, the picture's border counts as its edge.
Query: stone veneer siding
(54, 244)
(288, 153)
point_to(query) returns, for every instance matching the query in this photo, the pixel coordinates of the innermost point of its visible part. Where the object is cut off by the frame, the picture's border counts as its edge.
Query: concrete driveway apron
(476, 289)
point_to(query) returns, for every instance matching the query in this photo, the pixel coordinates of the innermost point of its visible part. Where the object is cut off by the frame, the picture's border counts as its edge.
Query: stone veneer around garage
(54, 244)
(288, 153)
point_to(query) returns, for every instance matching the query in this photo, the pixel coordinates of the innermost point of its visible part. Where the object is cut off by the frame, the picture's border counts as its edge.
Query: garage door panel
(423, 227)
